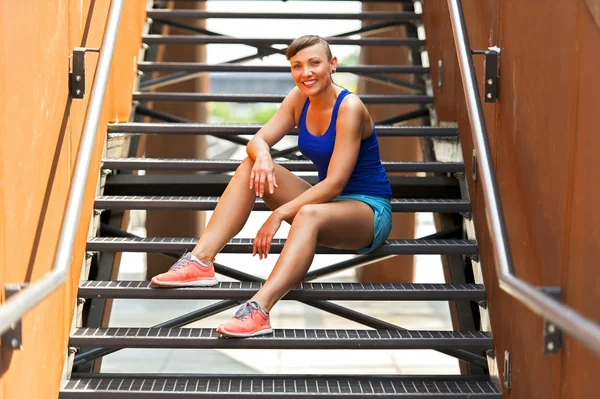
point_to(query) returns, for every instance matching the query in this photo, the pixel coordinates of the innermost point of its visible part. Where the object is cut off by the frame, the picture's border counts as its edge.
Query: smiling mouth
(309, 82)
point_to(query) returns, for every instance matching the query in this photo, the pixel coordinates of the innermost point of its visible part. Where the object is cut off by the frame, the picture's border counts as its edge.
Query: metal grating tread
(340, 41)
(308, 291)
(125, 337)
(275, 387)
(244, 245)
(250, 129)
(209, 203)
(202, 67)
(362, 16)
(230, 165)
(271, 98)
(214, 184)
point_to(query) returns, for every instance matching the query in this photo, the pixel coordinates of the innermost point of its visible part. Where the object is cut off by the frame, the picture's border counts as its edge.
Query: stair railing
(582, 329)
(12, 311)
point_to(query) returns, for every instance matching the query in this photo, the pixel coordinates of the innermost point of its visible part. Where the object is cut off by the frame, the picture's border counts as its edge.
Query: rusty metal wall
(40, 133)
(542, 138)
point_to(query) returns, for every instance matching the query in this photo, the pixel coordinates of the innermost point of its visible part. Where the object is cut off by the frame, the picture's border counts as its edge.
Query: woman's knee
(243, 171)
(308, 214)
(246, 164)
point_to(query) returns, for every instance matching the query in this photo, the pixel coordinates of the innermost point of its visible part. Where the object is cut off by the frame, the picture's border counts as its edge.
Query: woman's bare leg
(235, 206)
(341, 224)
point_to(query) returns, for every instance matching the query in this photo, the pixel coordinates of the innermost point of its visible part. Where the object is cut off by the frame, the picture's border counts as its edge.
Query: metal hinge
(77, 73)
(12, 338)
(491, 83)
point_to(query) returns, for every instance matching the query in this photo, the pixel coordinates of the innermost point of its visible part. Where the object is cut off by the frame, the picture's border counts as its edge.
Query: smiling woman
(349, 208)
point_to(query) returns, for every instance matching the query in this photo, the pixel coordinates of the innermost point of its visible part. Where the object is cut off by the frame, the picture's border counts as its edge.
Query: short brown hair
(307, 41)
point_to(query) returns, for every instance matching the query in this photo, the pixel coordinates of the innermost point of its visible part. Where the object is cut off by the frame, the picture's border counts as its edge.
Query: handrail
(584, 330)
(12, 311)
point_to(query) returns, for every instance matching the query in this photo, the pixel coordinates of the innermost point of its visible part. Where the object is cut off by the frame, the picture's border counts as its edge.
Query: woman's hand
(262, 170)
(262, 242)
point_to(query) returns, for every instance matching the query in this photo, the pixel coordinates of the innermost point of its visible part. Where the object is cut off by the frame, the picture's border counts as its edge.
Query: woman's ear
(334, 64)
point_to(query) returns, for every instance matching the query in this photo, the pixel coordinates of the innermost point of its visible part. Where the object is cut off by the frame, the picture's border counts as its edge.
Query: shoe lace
(245, 311)
(184, 260)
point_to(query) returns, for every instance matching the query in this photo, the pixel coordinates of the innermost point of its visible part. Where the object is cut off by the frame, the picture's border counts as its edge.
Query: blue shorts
(382, 222)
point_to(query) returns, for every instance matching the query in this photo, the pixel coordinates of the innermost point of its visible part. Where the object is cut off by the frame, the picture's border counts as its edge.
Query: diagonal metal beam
(261, 52)
(420, 113)
(167, 117)
(224, 305)
(180, 321)
(205, 31)
(183, 76)
(394, 82)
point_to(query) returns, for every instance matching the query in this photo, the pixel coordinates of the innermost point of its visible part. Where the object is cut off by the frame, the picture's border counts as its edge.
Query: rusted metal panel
(534, 152)
(579, 368)
(543, 137)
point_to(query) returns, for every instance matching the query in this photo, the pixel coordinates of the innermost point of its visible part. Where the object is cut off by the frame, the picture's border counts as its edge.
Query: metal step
(338, 41)
(362, 16)
(200, 67)
(205, 338)
(209, 203)
(251, 129)
(244, 245)
(151, 386)
(230, 165)
(270, 98)
(213, 185)
(306, 291)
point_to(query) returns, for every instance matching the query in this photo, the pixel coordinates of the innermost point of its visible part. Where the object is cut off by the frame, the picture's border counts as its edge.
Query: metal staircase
(438, 190)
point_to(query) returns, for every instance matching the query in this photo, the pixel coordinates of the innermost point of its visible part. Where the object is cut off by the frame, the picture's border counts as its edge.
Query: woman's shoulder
(296, 96)
(352, 103)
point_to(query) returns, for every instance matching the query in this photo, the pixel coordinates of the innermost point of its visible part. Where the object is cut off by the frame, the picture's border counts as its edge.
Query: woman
(348, 209)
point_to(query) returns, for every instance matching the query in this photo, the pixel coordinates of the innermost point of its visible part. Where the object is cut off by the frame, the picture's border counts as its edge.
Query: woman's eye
(316, 63)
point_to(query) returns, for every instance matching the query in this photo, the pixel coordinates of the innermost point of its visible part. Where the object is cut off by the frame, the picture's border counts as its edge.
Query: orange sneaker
(249, 321)
(187, 273)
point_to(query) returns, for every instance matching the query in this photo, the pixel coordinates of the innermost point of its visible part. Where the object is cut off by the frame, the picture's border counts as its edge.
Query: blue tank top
(368, 176)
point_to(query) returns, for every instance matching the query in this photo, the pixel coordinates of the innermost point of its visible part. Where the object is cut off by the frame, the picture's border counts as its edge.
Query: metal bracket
(492, 79)
(483, 303)
(77, 73)
(12, 338)
(474, 165)
(552, 334)
(507, 371)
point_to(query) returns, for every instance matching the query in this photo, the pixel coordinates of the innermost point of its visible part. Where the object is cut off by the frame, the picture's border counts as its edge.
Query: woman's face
(311, 70)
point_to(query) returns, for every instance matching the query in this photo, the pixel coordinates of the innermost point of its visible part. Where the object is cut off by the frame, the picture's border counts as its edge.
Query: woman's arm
(270, 134)
(277, 127)
(343, 160)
